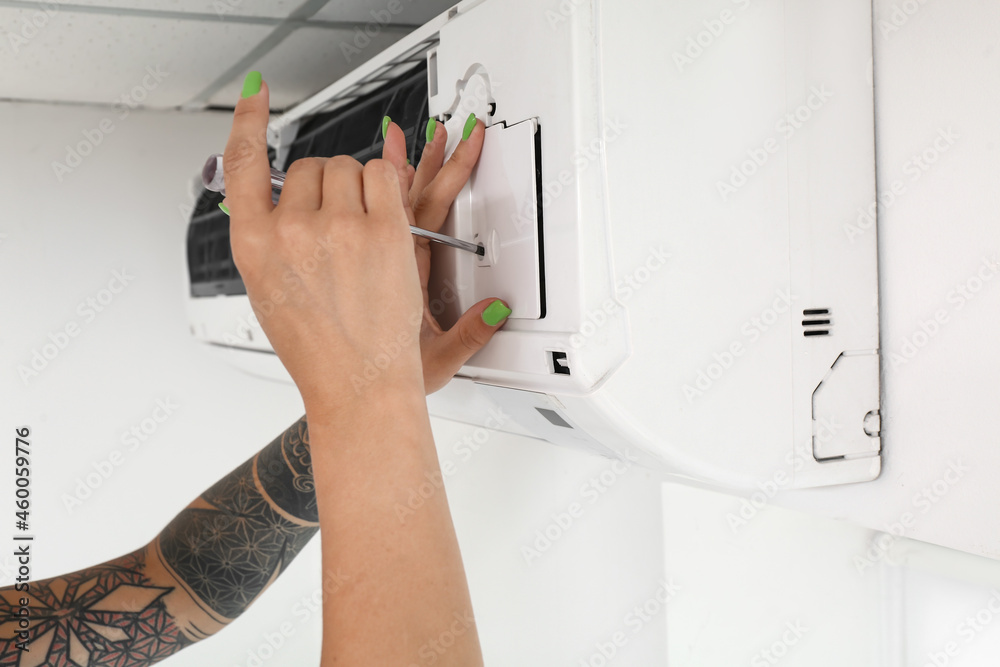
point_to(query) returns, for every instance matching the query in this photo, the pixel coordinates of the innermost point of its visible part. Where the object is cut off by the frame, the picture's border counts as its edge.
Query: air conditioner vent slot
(560, 363)
(210, 263)
(817, 322)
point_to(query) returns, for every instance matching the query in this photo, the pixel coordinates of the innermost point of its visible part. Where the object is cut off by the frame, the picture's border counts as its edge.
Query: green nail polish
(470, 125)
(495, 313)
(431, 126)
(223, 207)
(385, 126)
(251, 84)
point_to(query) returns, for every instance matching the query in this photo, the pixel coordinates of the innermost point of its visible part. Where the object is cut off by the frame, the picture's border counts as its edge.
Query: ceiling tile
(414, 13)
(309, 60)
(221, 8)
(99, 59)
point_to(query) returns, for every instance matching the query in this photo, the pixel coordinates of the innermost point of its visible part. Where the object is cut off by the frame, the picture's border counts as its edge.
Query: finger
(394, 152)
(470, 334)
(304, 184)
(247, 170)
(381, 191)
(342, 186)
(432, 158)
(431, 207)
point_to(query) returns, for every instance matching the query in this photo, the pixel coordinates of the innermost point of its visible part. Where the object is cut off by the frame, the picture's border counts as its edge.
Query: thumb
(469, 335)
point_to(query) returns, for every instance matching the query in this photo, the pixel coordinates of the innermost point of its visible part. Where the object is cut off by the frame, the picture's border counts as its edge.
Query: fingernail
(385, 126)
(470, 125)
(407, 160)
(431, 126)
(495, 313)
(224, 209)
(251, 84)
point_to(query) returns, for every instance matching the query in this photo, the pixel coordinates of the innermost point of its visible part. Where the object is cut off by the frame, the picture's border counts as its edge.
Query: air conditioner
(681, 204)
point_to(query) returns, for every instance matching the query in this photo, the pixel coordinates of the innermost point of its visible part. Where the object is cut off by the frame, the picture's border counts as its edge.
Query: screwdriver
(213, 179)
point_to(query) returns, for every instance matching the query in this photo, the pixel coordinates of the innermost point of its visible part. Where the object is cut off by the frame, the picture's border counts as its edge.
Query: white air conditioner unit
(666, 193)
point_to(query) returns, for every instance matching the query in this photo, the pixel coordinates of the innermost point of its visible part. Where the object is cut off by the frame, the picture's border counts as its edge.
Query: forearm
(406, 598)
(210, 563)
(109, 614)
(235, 539)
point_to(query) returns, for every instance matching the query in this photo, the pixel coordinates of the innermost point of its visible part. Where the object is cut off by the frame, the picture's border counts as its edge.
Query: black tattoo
(221, 552)
(104, 616)
(230, 550)
(285, 471)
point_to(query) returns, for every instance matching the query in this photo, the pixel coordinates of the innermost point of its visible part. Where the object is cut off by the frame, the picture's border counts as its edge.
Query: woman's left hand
(430, 190)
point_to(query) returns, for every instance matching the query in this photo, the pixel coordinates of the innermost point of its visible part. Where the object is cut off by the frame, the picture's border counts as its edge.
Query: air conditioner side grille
(816, 322)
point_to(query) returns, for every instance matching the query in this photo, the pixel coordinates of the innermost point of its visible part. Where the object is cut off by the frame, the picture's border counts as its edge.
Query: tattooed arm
(205, 569)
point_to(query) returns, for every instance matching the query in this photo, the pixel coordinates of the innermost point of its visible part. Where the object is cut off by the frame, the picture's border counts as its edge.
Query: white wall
(124, 208)
(121, 210)
(868, 599)
(856, 597)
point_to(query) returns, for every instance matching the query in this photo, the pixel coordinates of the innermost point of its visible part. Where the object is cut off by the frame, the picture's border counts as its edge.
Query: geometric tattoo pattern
(225, 548)
(102, 616)
(232, 546)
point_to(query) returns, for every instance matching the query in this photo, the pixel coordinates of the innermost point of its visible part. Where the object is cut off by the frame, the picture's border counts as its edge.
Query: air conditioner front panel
(701, 307)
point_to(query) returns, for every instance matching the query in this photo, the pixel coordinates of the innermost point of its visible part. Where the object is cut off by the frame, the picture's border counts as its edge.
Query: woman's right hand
(330, 271)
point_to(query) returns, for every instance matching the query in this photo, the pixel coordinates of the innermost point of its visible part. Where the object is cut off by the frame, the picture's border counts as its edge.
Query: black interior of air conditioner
(354, 129)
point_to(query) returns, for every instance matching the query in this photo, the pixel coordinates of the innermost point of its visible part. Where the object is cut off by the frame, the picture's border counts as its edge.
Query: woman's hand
(330, 271)
(426, 194)
(332, 276)
(429, 192)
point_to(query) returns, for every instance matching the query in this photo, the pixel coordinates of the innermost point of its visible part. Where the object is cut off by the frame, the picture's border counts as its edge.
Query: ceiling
(191, 54)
